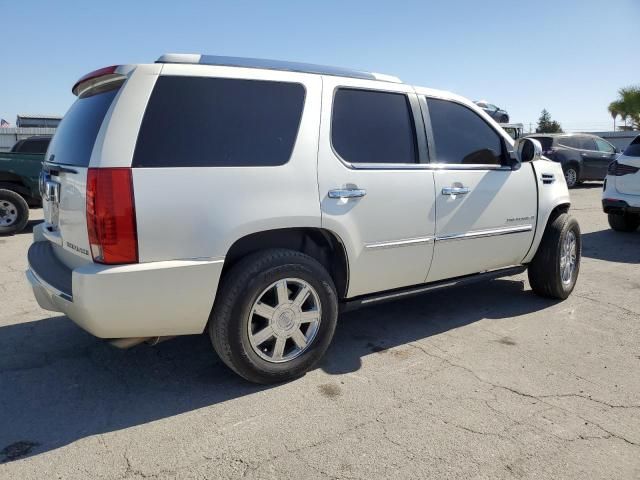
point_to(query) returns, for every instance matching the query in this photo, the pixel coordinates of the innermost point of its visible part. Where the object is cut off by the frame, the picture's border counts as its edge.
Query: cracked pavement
(485, 381)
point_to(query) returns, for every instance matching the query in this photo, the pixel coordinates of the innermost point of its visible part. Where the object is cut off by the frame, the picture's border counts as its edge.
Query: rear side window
(34, 146)
(571, 142)
(545, 142)
(373, 127)
(462, 136)
(633, 150)
(587, 143)
(74, 139)
(219, 122)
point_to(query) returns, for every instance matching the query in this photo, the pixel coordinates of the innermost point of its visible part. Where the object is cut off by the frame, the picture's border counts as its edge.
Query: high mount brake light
(111, 216)
(95, 77)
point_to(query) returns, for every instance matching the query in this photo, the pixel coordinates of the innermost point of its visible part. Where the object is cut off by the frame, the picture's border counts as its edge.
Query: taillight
(621, 169)
(111, 216)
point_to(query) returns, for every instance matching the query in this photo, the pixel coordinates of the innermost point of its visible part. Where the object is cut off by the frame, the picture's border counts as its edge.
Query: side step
(401, 293)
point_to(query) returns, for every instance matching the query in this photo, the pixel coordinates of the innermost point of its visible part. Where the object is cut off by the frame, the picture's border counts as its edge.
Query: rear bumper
(619, 207)
(141, 300)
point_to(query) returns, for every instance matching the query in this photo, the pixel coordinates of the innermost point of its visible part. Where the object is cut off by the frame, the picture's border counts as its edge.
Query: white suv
(254, 199)
(621, 195)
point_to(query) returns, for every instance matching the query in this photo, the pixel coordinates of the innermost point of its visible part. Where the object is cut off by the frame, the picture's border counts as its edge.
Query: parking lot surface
(483, 381)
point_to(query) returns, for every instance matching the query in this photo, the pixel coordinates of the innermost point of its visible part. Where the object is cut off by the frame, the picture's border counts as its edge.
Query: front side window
(219, 122)
(373, 127)
(604, 147)
(461, 136)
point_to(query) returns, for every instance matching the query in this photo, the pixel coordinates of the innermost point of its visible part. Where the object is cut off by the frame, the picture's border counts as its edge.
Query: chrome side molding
(485, 233)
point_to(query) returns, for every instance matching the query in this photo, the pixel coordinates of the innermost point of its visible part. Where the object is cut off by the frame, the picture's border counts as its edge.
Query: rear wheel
(14, 212)
(274, 316)
(624, 223)
(571, 176)
(554, 269)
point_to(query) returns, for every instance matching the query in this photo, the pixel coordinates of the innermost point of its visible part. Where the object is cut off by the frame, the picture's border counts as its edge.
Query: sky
(567, 56)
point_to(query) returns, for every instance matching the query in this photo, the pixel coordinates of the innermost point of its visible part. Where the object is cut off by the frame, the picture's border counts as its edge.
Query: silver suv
(254, 199)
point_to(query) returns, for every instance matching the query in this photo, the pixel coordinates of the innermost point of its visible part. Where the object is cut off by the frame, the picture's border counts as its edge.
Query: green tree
(546, 125)
(627, 106)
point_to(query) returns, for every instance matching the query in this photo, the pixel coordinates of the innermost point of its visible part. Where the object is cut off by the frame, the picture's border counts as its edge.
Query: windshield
(74, 138)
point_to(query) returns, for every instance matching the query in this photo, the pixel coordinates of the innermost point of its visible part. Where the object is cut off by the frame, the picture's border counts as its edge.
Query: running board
(401, 293)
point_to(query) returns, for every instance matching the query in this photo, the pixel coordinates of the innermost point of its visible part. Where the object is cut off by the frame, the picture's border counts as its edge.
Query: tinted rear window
(219, 122)
(546, 142)
(633, 150)
(34, 146)
(74, 139)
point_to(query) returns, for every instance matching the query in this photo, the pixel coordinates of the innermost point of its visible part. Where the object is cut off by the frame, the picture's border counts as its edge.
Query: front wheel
(624, 223)
(554, 269)
(14, 212)
(274, 316)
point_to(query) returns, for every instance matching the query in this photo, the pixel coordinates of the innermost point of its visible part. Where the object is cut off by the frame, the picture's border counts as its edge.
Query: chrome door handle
(347, 193)
(455, 191)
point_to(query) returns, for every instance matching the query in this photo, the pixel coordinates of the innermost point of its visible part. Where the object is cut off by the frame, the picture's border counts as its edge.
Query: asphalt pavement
(483, 381)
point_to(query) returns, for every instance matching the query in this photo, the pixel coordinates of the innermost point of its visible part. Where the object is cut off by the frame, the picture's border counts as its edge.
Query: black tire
(545, 274)
(14, 212)
(624, 223)
(572, 179)
(241, 287)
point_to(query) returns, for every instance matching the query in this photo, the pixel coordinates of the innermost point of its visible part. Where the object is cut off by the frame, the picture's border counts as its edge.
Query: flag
(4, 123)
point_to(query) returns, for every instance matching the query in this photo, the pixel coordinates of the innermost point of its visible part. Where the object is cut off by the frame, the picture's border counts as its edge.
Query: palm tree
(627, 106)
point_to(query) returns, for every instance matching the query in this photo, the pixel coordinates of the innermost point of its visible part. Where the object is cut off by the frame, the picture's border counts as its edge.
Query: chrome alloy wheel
(8, 213)
(284, 320)
(571, 177)
(568, 256)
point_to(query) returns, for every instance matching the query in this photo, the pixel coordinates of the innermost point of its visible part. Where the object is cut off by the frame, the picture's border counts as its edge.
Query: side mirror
(527, 150)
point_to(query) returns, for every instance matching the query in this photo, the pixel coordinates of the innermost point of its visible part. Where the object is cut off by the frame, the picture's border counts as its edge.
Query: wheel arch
(15, 183)
(321, 244)
(558, 209)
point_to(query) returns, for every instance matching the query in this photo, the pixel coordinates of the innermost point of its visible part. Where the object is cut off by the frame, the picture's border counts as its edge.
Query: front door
(376, 190)
(485, 211)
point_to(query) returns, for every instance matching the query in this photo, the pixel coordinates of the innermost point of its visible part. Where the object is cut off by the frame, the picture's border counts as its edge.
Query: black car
(583, 157)
(498, 114)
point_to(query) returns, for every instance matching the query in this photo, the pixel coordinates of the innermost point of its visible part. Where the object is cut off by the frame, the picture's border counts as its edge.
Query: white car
(253, 199)
(621, 193)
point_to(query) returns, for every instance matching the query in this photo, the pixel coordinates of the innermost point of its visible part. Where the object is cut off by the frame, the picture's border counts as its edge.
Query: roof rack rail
(194, 58)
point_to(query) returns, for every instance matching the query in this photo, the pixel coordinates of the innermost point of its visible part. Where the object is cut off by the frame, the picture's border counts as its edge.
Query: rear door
(376, 191)
(607, 154)
(594, 162)
(485, 211)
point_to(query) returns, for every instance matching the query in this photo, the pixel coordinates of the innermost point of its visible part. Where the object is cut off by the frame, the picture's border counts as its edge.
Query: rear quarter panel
(199, 212)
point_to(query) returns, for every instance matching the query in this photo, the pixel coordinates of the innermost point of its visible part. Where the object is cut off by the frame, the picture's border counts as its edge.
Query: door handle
(347, 193)
(453, 191)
